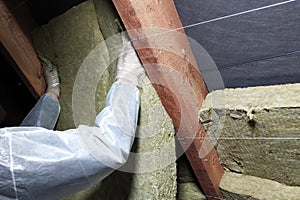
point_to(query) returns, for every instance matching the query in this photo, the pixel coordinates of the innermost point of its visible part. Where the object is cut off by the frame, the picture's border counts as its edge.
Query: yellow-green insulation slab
(256, 132)
(74, 41)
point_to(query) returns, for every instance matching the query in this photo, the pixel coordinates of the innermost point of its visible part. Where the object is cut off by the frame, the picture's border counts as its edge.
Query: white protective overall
(37, 163)
(41, 164)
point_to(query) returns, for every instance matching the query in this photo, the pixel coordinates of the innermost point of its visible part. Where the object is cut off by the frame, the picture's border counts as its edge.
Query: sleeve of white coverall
(36, 163)
(111, 139)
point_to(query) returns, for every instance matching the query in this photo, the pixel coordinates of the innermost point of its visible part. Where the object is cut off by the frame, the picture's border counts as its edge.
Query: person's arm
(116, 124)
(111, 138)
(37, 163)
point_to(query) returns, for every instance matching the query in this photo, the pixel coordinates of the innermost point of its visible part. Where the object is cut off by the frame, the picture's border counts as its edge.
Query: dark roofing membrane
(259, 47)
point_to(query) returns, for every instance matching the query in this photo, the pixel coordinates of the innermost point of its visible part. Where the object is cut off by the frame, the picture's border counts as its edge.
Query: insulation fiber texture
(256, 132)
(72, 41)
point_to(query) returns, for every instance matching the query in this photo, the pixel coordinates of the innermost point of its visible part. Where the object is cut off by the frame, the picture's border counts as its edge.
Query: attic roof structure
(189, 49)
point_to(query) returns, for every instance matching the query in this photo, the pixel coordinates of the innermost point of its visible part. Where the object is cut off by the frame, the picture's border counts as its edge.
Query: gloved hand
(51, 76)
(129, 67)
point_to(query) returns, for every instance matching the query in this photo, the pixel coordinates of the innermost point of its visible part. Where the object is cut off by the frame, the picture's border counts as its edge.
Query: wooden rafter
(20, 48)
(173, 71)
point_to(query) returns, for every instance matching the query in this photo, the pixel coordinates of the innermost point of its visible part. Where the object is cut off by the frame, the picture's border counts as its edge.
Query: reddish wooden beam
(172, 69)
(21, 50)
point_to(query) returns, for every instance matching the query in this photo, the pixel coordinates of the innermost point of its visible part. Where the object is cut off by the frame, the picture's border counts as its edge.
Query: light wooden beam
(18, 45)
(173, 71)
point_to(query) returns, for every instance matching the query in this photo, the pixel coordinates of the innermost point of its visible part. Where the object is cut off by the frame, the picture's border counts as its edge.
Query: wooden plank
(21, 50)
(172, 69)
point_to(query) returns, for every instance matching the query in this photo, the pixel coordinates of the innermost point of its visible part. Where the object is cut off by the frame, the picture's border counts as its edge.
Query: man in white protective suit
(39, 163)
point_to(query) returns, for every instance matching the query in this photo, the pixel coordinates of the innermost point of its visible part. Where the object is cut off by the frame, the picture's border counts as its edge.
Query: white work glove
(129, 67)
